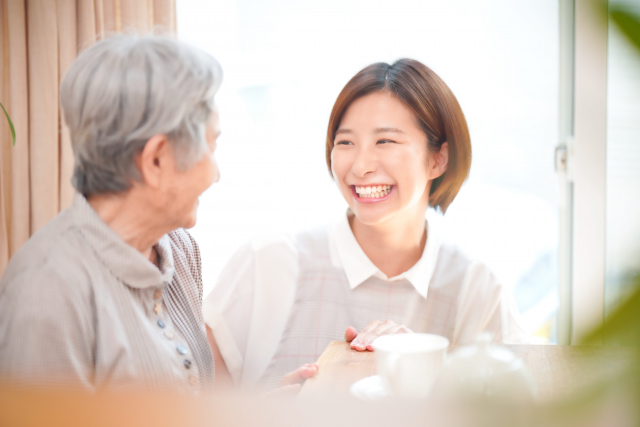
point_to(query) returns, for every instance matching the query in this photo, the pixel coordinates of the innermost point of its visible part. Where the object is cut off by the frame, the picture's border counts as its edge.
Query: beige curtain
(39, 39)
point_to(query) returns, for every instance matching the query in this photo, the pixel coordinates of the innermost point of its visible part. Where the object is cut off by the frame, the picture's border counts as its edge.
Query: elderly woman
(108, 294)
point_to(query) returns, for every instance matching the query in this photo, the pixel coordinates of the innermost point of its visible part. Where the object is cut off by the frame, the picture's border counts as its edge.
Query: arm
(223, 377)
(227, 312)
(248, 308)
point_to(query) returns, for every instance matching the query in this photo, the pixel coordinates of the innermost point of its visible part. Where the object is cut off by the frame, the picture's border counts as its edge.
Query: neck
(131, 218)
(393, 246)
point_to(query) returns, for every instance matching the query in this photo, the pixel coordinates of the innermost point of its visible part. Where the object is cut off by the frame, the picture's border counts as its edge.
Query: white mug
(408, 364)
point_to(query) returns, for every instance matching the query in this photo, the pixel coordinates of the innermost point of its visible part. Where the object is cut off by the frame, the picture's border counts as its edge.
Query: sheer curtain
(39, 39)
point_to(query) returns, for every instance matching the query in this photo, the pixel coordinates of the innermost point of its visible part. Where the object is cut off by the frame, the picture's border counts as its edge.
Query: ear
(438, 165)
(155, 159)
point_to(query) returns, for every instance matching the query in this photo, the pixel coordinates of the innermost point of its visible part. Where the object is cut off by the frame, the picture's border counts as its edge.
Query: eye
(385, 141)
(343, 143)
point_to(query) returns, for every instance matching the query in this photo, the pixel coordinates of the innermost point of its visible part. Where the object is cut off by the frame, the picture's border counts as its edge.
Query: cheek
(410, 169)
(339, 166)
(208, 173)
(195, 181)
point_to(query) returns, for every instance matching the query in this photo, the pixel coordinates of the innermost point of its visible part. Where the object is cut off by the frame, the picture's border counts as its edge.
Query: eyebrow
(375, 131)
(385, 130)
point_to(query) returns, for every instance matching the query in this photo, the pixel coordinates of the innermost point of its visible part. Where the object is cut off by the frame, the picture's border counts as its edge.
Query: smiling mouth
(372, 192)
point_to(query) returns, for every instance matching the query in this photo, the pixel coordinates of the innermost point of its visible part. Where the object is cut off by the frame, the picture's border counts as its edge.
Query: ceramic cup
(408, 364)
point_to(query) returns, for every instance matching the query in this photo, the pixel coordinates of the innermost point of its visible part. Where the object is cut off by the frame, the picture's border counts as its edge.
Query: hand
(291, 383)
(362, 341)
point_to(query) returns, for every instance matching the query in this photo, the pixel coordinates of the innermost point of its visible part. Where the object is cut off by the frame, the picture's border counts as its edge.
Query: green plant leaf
(13, 131)
(622, 327)
(628, 22)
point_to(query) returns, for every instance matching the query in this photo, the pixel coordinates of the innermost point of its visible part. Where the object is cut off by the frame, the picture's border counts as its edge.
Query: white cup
(408, 364)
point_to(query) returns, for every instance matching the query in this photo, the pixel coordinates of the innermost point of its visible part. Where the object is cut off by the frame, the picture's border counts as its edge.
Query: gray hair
(127, 88)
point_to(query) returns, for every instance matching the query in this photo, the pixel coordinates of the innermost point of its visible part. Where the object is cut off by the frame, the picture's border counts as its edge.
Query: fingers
(394, 329)
(355, 343)
(350, 334)
(365, 339)
(299, 375)
(375, 329)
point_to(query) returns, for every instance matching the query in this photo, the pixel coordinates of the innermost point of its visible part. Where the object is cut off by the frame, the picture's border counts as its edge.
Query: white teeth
(375, 192)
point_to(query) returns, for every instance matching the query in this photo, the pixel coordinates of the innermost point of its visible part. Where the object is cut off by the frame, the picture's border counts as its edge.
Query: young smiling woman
(397, 144)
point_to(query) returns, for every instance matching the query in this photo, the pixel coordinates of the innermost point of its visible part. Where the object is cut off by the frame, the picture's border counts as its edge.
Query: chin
(368, 216)
(189, 222)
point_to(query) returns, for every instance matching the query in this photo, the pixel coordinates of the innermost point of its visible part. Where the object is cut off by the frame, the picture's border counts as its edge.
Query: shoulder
(451, 264)
(272, 246)
(270, 257)
(185, 250)
(187, 259)
(56, 256)
(453, 256)
(314, 242)
(478, 280)
(183, 242)
(473, 273)
(58, 234)
(47, 294)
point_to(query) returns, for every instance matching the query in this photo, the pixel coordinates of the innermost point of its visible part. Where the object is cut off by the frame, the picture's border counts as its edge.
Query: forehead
(379, 110)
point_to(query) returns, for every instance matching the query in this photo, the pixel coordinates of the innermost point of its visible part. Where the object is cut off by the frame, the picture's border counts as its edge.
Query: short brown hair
(436, 109)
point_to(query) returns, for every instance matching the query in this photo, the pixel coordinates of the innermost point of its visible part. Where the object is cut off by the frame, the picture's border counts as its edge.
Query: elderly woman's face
(188, 185)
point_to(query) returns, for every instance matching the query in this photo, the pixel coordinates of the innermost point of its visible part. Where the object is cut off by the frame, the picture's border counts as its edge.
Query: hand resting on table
(362, 341)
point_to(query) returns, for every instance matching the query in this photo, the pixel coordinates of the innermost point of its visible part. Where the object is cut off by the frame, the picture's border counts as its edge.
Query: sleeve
(484, 304)
(46, 331)
(227, 309)
(248, 308)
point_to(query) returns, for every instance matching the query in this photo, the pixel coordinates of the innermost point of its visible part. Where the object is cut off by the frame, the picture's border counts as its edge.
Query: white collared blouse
(280, 300)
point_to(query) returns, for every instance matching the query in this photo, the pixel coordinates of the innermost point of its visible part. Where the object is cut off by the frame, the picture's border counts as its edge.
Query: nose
(216, 175)
(366, 162)
(215, 170)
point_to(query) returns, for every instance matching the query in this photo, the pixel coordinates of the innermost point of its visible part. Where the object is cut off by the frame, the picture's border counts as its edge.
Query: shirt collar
(347, 254)
(124, 261)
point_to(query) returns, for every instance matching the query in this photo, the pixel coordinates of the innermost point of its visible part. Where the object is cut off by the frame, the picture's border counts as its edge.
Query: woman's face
(380, 160)
(188, 185)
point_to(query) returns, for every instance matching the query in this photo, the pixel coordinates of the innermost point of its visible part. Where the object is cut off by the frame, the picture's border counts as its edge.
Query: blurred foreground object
(558, 372)
(485, 371)
(408, 364)
(326, 401)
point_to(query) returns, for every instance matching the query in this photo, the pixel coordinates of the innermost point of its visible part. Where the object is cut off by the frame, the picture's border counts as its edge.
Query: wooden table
(557, 370)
